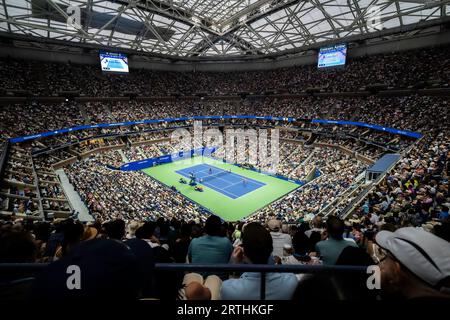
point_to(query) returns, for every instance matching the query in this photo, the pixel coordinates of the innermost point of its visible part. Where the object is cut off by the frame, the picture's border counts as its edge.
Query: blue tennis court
(228, 183)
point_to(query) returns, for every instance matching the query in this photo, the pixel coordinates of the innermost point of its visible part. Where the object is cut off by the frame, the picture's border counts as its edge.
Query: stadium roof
(199, 28)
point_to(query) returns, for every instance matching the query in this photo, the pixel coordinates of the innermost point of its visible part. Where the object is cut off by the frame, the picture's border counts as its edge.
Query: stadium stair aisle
(84, 114)
(124, 157)
(303, 163)
(73, 197)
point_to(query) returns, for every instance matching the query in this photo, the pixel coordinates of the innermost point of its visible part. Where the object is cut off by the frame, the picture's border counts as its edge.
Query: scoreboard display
(332, 56)
(113, 62)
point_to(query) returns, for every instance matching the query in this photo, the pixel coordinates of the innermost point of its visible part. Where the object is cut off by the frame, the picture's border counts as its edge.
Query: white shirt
(278, 241)
(374, 219)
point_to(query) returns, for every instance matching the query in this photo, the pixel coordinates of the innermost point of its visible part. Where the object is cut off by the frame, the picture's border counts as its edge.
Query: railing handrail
(300, 268)
(181, 267)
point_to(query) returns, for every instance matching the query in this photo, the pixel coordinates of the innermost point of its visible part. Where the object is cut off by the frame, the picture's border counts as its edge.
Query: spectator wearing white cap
(279, 239)
(415, 264)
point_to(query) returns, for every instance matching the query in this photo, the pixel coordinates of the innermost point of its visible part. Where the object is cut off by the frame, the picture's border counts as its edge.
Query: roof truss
(192, 28)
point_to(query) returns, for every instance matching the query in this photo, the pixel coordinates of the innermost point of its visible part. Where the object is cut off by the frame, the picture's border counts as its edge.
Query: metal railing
(363, 195)
(34, 268)
(3, 157)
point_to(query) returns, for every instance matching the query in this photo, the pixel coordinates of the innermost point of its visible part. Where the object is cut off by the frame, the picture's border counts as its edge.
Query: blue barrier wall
(132, 123)
(205, 151)
(142, 164)
(371, 126)
(299, 182)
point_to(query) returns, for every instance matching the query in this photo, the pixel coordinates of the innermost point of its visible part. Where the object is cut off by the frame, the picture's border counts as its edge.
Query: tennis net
(214, 175)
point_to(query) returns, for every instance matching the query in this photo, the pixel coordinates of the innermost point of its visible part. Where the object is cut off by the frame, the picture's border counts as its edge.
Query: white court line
(257, 183)
(231, 185)
(223, 189)
(219, 177)
(251, 180)
(219, 189)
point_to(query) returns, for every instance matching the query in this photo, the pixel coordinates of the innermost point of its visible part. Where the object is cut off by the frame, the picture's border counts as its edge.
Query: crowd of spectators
(337, 172)
(414, 113)
(28, 184)
(145, 151)
(416, 192)
(414, 262)
(398, 70)
(405, 113)
(111, 194)
(402, 224)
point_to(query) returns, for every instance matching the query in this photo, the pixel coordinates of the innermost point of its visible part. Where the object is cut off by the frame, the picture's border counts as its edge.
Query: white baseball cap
(423, 253)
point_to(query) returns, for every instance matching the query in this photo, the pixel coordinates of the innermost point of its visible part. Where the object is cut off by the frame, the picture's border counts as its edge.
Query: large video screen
(332, 56)
(113, 62)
